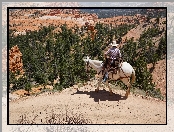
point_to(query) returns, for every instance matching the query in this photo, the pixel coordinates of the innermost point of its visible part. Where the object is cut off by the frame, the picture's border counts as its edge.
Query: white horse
(126, 74)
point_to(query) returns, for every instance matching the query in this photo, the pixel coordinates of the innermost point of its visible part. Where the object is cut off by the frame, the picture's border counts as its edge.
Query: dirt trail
(97, 108)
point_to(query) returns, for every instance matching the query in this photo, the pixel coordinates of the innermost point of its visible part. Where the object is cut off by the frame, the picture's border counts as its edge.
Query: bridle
(88, 66)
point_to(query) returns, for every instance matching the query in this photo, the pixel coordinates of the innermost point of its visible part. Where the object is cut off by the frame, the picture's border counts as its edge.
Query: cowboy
(111, 56)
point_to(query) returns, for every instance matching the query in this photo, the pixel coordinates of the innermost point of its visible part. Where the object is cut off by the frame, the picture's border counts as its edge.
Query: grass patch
(54, 119)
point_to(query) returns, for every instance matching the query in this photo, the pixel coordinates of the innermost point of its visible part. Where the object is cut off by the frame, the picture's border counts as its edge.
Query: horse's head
(87, 63)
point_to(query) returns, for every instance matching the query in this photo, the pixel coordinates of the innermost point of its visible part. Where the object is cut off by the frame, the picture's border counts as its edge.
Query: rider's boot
(105, 77)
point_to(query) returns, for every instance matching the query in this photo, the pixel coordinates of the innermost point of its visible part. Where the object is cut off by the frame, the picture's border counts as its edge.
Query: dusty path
(85, 103)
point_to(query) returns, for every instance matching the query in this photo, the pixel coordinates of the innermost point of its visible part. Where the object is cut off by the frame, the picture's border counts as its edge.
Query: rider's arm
(106, 53)
(120, 57)
(119, 54)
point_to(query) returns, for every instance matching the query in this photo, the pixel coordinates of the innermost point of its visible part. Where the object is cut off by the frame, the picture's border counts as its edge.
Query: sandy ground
(85, 103)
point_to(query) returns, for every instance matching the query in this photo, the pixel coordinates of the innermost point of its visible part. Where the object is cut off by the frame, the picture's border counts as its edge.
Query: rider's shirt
(113, 53)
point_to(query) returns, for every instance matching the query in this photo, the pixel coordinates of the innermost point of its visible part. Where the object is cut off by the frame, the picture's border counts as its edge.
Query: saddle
(112, 65)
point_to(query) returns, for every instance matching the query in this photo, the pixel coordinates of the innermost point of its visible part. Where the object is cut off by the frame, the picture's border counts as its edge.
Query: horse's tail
(133, 77)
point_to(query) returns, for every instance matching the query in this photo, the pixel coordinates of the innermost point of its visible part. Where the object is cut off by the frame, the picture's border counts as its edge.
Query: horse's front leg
(110, 90)
(99, 83)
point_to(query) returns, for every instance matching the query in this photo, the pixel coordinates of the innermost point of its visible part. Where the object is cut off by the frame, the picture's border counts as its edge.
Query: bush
(58, 87)
(47, 56)
(19, 83)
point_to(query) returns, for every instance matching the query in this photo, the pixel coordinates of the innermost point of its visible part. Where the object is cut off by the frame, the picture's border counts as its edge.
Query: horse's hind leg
(128, 91)
(126, 81)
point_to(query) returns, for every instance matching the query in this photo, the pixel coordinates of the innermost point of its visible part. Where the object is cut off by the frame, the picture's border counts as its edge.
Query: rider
(112, 55)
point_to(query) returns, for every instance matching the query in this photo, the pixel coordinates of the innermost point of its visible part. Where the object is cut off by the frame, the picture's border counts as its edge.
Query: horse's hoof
(96, 90)
(126, 95)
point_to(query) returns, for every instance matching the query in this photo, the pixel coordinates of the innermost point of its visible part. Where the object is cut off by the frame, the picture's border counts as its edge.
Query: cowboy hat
(114, 44)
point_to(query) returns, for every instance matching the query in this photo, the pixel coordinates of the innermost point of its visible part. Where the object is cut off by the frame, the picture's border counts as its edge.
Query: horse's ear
(84, 59)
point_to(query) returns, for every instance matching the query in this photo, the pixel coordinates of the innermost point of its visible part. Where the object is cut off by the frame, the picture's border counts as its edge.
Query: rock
(15, 60)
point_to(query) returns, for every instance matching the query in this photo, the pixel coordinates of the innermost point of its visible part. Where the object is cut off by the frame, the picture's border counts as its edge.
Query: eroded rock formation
(15, 60)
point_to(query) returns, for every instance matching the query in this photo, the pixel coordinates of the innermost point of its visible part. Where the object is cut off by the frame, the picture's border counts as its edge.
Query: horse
(126, 74)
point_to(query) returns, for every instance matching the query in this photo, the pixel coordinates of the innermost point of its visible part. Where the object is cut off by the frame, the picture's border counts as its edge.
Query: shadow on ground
(102, 95)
